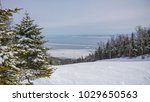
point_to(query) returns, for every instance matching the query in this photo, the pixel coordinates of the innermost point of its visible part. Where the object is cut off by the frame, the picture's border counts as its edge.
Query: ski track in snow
(106, 72)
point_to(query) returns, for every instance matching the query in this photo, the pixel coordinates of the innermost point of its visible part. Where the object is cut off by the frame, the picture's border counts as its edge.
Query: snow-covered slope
(116, 71)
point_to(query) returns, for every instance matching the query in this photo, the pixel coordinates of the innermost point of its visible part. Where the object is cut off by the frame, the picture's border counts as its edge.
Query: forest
(123, 45)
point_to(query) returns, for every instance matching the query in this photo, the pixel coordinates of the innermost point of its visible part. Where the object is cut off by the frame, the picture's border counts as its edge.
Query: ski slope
(120, 71)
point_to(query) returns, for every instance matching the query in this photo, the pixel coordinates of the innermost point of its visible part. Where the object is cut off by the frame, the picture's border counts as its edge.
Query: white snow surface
(70, 53)
(119, 71)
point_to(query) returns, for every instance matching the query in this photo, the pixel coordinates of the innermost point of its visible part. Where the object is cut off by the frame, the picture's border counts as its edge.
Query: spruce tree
(8, 69)
(148, 41)
(31, 53)
(133, 51)
(141, 40)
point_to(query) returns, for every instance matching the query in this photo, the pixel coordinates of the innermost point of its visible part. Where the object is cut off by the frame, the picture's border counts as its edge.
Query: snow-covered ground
(118, 71)
(69, 53)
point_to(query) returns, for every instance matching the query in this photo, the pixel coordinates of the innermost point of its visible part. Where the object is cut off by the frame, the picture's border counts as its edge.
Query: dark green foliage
(124, 46)
(133, 50)
(22, 53)
(32, 57)
(8, 70)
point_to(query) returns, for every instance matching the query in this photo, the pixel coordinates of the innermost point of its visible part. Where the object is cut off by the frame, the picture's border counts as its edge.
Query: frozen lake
(74, 46)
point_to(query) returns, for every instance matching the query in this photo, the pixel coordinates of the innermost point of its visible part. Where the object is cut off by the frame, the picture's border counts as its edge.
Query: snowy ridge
(135, 71)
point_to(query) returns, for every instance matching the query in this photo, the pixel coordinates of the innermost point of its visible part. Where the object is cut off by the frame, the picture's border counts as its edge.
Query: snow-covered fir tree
(148, 41)
(140, 41)
(8, 69)
(31, 53)
(133, 49)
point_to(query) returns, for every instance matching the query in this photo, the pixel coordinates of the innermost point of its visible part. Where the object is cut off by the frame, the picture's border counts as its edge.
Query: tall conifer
(8, 69)
(31, 52)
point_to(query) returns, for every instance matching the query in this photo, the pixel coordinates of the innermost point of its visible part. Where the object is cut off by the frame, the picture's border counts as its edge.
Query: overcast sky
(84, 16)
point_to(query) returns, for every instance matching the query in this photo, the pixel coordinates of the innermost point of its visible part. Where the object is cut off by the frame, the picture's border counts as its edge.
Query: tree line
(22, 53)
(124, 45)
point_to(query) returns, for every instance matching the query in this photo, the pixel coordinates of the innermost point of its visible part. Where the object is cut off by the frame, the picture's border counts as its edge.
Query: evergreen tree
(31, 53)
(109, 49)
(133, 51)
(8, 69)
(113, 47)
(98, 52)
(141, 36)
(147, 47)
(126, 47)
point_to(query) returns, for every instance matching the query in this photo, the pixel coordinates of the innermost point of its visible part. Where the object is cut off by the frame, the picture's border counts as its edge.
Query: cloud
(87, 16)
(100, 14)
